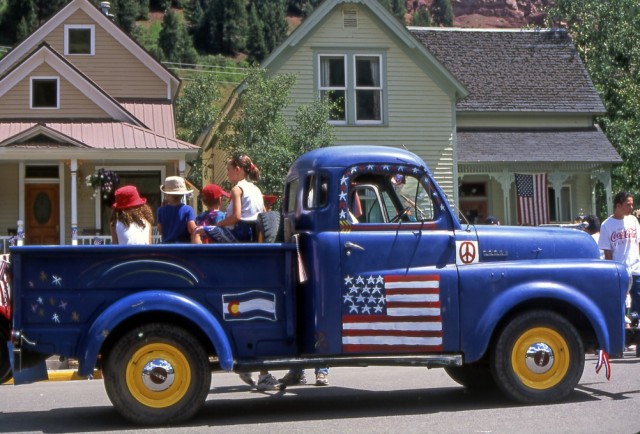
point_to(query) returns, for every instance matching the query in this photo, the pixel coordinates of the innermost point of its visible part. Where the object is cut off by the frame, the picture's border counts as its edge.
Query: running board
(429, 361)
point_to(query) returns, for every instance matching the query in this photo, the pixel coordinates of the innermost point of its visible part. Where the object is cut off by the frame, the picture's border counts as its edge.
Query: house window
(353, 83)
(45, 92)
(79, 39)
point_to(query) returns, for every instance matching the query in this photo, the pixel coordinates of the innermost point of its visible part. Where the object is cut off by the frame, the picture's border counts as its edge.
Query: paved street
(358, 400)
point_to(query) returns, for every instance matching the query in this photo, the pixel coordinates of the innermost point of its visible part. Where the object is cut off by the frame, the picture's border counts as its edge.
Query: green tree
(422, 17)
(174, 41)
(607, 36)
(442, 13)
(196, 106)
(222, 27)
(261, 131)
(19, 19)
(125, 12)
(398, 9)
(256, 47)
(272, 14)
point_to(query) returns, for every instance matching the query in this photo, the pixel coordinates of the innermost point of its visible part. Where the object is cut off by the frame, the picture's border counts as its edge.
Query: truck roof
(350, 155)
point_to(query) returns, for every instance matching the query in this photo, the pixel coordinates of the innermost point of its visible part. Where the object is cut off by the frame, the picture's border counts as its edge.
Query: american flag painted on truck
(393, 313)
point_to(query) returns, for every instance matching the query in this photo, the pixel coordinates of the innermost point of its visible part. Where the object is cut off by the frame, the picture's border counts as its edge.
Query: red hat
(212, 191)
(127, 197)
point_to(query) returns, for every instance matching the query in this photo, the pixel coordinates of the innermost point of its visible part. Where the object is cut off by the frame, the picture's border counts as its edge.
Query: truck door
(398, 275)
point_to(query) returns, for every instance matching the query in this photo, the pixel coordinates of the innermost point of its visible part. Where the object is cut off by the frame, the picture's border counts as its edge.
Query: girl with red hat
(131, 219)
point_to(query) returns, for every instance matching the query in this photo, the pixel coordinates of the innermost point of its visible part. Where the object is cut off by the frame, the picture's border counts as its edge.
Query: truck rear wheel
(538, 358)
(5, 363)
(157, 373)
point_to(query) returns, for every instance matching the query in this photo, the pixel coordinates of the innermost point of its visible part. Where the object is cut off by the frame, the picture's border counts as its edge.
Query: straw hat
(127, 197)
(174, 185)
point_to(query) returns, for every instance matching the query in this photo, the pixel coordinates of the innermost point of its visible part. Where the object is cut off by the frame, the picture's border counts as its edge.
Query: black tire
(474, 376)
(269, 227)
(538, 358)
(5, 363)
(161, 357)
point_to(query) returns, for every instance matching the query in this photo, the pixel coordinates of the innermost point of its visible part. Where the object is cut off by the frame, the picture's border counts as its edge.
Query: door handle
(349, 245)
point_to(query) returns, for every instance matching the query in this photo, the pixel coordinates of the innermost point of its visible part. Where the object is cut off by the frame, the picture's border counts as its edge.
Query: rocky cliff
(493, 13)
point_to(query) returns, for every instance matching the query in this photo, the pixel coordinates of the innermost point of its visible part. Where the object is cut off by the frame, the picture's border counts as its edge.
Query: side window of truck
(315, 191)
(390, 198)
(290, 196)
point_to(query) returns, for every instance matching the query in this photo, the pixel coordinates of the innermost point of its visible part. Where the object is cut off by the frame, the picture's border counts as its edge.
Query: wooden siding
(113, 67)
(15, 103)
(419, 111)
(9, 197)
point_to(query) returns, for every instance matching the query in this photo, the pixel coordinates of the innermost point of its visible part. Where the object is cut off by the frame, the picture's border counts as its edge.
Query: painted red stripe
(412, 278)
(393, 291)
(351, 348)
(413, 304)
(413, 333)
(384, 318)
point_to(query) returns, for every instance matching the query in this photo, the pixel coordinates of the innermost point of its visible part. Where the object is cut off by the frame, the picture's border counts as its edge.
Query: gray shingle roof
(484, 146)
(514, 71)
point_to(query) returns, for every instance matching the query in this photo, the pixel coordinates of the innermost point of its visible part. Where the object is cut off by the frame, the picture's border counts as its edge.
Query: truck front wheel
(157, 373)
(538, 358)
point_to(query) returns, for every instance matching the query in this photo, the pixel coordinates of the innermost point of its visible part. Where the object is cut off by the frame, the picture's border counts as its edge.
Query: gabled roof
(125, 40)
(385, 19)
(46, 55)
(96, 135)
(157, 115)
(514, 70)
(486, 146)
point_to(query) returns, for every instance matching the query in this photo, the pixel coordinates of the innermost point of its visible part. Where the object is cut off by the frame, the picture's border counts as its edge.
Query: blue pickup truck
(366, 264)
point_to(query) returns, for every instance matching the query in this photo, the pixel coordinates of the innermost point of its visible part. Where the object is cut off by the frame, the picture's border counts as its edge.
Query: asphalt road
(359, 400)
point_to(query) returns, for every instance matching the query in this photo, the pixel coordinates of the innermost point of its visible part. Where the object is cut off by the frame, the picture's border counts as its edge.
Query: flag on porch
(533, 199)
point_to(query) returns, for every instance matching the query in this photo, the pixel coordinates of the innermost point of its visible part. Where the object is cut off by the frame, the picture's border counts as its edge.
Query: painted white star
(415, 170)
(400, 168)
(354, 289)
(343, 214)
(371, 300)
(31, 284)
(354, 170)
(63, 305)
(382, 300)
(347, 298)
(343, 195)
(34, 307)
(370, 167)
(366, 290)
(39, 300)
(348, 280)
(376, 290)
(55, 318)
(360, 298)
(359, 281)
(366, 309)
(385, 167)
(57, 280)
(377, 309)
(380, 279)
(371, 280)
(353, 309)
(344, 180)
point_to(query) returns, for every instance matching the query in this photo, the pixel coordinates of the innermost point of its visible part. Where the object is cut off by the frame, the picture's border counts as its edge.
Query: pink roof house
(76, 96)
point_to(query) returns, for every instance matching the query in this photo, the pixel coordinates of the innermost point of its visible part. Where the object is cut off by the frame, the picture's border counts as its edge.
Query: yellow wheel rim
(540, 358)
(158, 375)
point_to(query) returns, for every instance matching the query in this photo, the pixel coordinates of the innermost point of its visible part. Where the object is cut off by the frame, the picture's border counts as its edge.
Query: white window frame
(370, 88)
(345, 89)
(350, 89)
(92, 48)
(31, 90)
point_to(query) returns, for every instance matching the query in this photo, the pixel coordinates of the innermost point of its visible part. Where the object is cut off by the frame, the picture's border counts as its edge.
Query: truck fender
(478, 342)
(149, 301)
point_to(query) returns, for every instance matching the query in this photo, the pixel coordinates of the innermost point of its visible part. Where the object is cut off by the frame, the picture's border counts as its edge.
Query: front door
(42, 216)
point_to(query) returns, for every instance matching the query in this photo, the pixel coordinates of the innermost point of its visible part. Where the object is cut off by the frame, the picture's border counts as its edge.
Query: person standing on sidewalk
(620, 241)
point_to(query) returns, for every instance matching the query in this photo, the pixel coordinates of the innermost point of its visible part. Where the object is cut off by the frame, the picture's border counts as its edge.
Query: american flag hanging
(391, 314)
(533, 199)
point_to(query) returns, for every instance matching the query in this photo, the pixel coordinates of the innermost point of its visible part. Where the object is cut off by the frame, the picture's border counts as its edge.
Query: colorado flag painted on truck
(394, 313)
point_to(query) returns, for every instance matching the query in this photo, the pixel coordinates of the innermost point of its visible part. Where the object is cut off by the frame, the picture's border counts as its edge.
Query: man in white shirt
(620, 241)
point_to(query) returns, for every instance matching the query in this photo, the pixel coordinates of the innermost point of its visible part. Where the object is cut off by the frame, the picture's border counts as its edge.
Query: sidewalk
(64, 371)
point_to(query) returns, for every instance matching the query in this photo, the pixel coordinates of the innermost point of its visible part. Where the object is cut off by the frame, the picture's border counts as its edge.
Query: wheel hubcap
(158, 375)
(539, 358)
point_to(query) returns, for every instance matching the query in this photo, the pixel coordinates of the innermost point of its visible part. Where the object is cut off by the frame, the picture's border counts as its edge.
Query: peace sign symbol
(467, 252)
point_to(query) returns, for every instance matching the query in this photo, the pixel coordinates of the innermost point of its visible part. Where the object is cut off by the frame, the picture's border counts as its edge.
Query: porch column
(505, 178)
(74, 202)
(557, 179)
(182, 165)
(605, 178)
